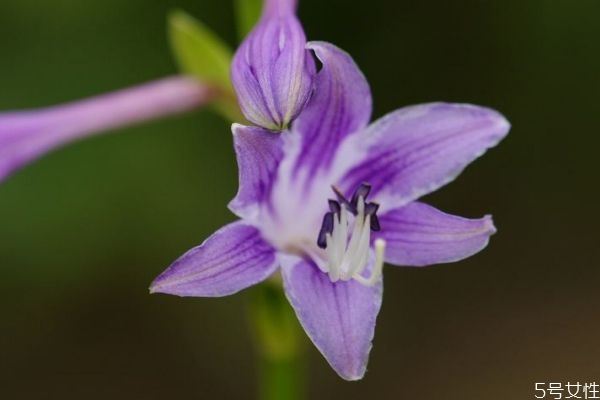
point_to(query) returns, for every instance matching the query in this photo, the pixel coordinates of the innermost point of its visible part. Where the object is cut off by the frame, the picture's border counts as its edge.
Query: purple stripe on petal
(27, 135)
(340, 105)
(258, 155)
(272, 71)
(419, 235)
(233, 258)
(415, 150)
(338, 317)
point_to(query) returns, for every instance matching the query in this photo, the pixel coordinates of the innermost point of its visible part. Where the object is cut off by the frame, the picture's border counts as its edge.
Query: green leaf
(202, 53)
(247, 13)
(198, 50)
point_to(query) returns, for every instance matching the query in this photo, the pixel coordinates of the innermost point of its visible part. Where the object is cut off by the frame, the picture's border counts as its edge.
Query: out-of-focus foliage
(247, 13)
(202, 53)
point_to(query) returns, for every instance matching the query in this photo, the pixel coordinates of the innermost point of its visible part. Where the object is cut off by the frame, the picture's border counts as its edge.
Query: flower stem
(278, 344)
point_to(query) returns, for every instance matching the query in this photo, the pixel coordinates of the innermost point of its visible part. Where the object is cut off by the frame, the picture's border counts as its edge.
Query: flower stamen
(348, 253)
(377, 267)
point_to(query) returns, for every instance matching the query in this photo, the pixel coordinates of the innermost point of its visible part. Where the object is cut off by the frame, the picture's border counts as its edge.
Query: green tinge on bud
(203, 54)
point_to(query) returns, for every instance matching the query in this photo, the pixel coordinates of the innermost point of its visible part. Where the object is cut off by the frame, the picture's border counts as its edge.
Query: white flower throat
(347, 243)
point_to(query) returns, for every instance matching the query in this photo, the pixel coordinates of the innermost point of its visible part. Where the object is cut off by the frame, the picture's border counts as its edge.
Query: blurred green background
(85, 230)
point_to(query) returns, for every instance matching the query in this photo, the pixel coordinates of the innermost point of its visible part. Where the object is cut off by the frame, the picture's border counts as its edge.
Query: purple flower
(272, 70)
(329, 199)
(27, 135)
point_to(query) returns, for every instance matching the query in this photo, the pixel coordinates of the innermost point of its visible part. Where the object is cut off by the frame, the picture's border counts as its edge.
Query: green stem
(278, 344)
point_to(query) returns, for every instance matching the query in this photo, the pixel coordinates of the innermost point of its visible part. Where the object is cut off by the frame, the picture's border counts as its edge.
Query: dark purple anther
(362, 191)
(326, 228)
(375, 226)
(371, 209)
(335, 207)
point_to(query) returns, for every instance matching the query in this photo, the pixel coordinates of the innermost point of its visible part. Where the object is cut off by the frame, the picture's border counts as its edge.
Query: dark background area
(85, 230)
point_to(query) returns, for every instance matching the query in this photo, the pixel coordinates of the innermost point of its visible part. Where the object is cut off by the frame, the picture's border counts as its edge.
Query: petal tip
(501, 124)
(352, 376)
(495, 118)
(320, 45)
(236, 128)
(488, 229)
(160, 286)
(488, 225)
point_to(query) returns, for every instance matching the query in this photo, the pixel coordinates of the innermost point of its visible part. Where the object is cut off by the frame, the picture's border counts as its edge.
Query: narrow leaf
(202, 53)
(198, 50)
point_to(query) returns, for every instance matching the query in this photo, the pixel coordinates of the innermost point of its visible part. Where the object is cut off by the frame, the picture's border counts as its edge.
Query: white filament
(348, 259)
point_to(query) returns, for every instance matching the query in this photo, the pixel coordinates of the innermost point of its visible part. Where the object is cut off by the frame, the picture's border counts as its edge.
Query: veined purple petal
(27, 135)
(258, 154)
(233, 258)
(419, 235)
(272, 71)
(338, 317)
(279, 7)
(417, 149)
(340, 105)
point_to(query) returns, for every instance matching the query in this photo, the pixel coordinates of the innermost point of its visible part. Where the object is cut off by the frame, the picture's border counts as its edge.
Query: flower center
(346, 236)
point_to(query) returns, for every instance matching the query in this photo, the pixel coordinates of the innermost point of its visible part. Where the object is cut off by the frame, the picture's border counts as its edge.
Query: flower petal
(279, 7)
(258, 155)
(418, 235)
(340, 105)
(233, 258)
(272, 71)
(27, 135)
(338, 317)
(417, 149)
